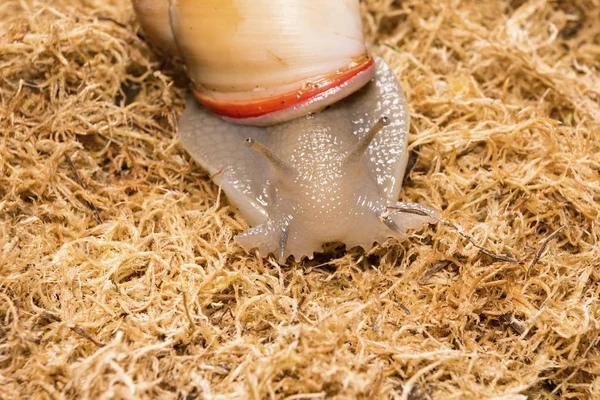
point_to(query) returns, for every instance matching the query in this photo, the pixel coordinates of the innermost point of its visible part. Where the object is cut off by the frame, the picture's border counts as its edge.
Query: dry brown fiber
(119, 277)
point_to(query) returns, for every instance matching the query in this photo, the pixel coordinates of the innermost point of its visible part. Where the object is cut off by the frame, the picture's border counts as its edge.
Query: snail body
(325, 177)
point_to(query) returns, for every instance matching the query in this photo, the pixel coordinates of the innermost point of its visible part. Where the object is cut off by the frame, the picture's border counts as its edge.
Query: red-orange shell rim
(258, 109)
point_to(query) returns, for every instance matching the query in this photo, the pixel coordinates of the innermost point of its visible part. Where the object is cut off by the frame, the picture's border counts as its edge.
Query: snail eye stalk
(273, 158)
(363, 144)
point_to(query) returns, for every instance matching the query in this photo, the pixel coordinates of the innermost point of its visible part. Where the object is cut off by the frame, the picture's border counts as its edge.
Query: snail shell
(261, 62)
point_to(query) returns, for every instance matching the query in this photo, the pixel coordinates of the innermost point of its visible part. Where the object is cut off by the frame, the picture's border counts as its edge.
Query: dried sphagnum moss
(119, 277)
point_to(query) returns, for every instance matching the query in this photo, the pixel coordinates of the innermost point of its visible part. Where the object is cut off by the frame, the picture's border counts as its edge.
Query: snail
(326, 169)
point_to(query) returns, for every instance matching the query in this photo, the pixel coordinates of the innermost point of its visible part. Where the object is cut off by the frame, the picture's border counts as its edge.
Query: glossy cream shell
(240, 45)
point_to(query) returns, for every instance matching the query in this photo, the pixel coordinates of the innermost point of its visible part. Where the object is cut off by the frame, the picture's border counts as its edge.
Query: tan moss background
(119, 277)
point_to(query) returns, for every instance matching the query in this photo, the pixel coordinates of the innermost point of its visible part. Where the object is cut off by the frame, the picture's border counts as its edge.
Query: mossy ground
(119, 277)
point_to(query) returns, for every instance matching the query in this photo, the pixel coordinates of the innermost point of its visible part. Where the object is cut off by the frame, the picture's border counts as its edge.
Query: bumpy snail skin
(313, 184)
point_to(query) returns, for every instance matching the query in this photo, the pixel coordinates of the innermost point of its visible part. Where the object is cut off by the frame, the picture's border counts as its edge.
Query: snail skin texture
(325, 177)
